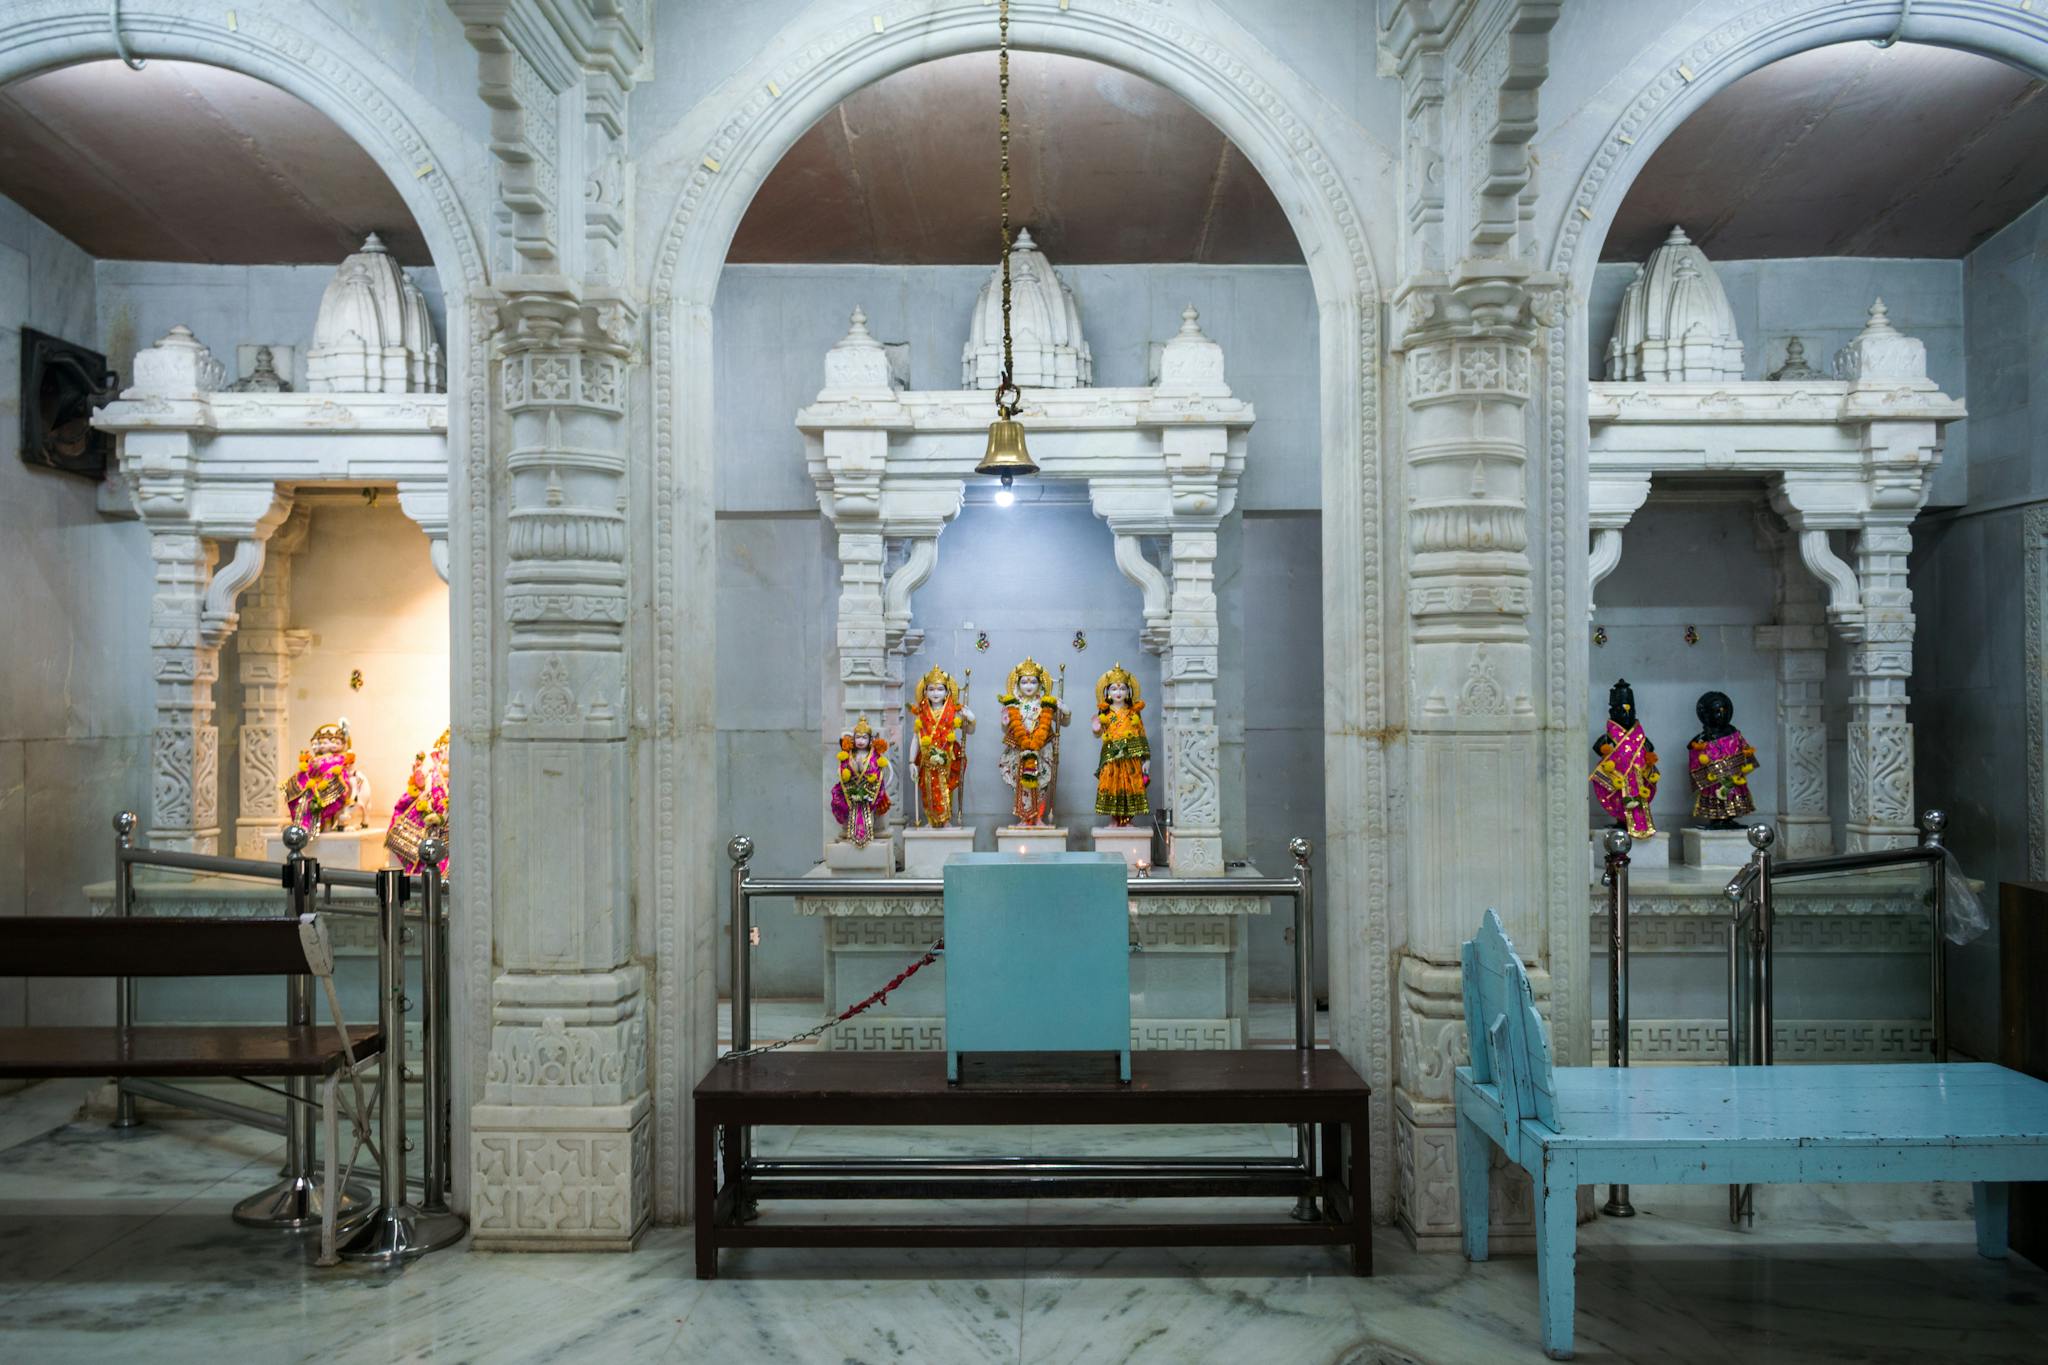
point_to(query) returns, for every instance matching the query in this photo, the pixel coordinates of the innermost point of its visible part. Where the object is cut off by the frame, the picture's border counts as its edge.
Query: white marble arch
(1672, 75)
(319, 60)
(720, 154)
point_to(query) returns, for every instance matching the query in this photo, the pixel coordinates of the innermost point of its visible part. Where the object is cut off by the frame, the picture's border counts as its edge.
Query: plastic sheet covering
(1963, 915)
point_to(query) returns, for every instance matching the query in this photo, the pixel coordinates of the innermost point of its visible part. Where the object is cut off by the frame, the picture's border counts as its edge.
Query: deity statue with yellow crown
(423, 810)
(860, 796)
(1032, 719)
(1124, 770)
(939, 721)
(325, 792)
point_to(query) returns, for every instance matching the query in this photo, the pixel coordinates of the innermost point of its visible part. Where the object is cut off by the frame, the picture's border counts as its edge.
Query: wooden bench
(840, 1088)
(1573, 1126)
(71, 946)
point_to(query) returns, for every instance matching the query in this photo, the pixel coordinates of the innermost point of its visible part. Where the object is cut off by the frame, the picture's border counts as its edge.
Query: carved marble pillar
(185, 744)
(1475, 779)
(910, 564)
(862, 637)
(1880, 663)
(561, 1141)
(1194, 763)
(265, 645)
(1799, 638)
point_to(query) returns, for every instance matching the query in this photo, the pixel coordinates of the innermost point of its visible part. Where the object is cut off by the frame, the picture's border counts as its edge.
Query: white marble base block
(1715, 847)
(1029, 839)
(1644, 855)
(925, 850)
(1132, 843)
(358, 850)
(876, 857)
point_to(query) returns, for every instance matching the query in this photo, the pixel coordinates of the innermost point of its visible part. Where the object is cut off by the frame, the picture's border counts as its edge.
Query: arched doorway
(722, 161)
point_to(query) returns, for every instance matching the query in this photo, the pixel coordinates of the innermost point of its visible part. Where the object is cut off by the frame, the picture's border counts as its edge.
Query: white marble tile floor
(114, 1246)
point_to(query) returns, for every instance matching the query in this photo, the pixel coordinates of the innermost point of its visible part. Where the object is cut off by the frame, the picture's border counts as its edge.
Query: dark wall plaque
(62, 385)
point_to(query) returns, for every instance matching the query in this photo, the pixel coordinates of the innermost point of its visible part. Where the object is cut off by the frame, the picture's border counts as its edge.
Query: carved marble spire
(1675, 324)
(373, 334)
(1881, 351)
(1045, 327)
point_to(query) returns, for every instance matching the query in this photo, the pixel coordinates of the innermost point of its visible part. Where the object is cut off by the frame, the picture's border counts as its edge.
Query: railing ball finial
(1933, 823)
(1618, 843)
(125, 823)
(432, 851)
(1301, 848)
(296, 837)
(739, 848)
(1761, 837)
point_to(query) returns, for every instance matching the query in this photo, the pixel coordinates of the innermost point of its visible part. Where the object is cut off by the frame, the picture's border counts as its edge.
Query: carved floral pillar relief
(265, 646)
(1799, 639)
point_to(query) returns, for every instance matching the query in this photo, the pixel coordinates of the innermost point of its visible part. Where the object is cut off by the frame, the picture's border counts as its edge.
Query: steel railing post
(1618, 842)
(438, 1224)
(1305, 1210)
(124, 987)
(1933, 827)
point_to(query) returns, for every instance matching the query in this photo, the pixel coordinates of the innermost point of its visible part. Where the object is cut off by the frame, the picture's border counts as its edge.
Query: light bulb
(1004, 497)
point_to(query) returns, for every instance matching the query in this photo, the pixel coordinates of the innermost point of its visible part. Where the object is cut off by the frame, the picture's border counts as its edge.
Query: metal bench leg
(1557, 1251)
(1991, 1230)
(330, 1143)
(1475, 1157)
(706, 1180)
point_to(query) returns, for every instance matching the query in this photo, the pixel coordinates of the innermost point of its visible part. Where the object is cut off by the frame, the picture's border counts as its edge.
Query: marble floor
(102, 1236)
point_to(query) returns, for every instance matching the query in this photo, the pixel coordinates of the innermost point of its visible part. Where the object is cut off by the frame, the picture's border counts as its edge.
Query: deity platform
(358, 850)
(925, 850)
(1190, 973)
(1026, 839)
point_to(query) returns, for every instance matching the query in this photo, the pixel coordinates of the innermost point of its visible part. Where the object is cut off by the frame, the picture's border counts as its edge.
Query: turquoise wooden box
(1038, 955)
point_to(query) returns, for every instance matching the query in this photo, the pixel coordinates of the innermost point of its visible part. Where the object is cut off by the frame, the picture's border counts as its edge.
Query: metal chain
(1003, 124)
(880, 997)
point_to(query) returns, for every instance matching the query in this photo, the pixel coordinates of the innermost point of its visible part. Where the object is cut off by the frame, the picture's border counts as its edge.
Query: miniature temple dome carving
(373, 333)
(1045, 327)
(1675, 325)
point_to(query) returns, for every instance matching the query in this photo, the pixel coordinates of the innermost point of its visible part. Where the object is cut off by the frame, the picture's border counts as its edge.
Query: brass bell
(1006, 456)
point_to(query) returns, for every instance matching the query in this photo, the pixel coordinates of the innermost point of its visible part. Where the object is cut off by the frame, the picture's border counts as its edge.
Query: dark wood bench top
(257, 1050)
(1265, 1086)
(79, 946)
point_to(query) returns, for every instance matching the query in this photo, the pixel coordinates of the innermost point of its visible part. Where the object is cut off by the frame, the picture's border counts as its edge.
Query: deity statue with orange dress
(1625, 777)
(1124, 770)
(325, 792)
(939, 719)
(423, 810)
(860, 796)
(1032, 719)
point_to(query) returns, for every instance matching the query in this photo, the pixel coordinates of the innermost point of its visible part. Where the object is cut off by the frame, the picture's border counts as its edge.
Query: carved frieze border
(1152, 41)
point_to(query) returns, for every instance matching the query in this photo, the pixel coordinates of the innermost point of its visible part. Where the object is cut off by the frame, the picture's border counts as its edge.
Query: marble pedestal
(1190, 978)
(1132, 843)
(1031, 839)
(1714, 847)
(876, 857)
(925, 850)
(358, 850)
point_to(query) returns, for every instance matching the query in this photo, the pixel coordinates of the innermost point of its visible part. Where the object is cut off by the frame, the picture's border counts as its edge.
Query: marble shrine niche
(1767, 522)
(1160, 465)
(341, 677)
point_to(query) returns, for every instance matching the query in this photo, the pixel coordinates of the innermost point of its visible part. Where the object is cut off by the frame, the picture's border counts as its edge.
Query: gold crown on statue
(943, 678)
(1117, 674)
(334, 730)
(1036, 669)
(861, 727)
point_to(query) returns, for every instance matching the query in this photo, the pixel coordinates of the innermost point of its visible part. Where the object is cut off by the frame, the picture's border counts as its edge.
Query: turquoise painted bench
(1789, 1125)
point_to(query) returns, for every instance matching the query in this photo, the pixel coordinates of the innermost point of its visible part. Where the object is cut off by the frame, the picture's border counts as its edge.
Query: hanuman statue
(860, 797)
(1032, 718)
(938, 720)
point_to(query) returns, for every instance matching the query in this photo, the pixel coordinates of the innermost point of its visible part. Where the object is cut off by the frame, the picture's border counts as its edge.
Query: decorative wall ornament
(373, 334)
(1045, 326)
(1675, 324)
(1795, 367)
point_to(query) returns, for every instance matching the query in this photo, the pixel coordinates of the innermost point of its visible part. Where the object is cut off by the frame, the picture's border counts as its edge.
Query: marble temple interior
(709, 575)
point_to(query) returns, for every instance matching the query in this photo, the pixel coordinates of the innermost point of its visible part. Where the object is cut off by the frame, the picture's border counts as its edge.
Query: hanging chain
(1003, 124)
(880, 997)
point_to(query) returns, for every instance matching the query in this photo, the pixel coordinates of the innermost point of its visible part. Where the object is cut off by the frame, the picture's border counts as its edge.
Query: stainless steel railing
(394, 1229)
(1752, 1015)
(1615, 878)
(832, 1177)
